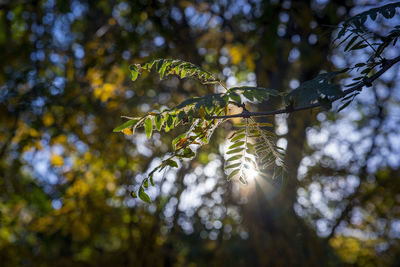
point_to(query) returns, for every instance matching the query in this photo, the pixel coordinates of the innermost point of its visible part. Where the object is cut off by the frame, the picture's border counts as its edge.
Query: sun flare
(250, 173)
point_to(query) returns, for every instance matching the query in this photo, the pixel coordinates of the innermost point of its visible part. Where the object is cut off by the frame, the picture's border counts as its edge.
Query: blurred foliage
(66, 178)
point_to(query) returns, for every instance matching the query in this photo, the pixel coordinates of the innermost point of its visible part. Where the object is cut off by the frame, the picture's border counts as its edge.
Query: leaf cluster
(357, 22)
(179, 68)
(252, 149)
(320, 89)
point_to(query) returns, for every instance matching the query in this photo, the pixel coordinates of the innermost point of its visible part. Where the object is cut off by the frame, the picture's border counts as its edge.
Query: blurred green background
(66, 178)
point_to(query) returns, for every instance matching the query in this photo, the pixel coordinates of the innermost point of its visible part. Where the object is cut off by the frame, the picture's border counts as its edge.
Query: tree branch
(366, 82)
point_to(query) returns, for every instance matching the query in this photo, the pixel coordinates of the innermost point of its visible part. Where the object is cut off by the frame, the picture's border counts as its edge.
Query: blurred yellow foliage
(33, 132)
(59, 139)
(350, 248)
(79, 230)
(79, 187)
(104, 90)
(56, 160)
(48, 119)
(239, 53)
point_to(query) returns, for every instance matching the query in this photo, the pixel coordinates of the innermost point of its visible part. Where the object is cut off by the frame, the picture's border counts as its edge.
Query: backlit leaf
(232, 174)
(143, 196)
(128, 131)
(236, 157)
(127, 124)
(172, 163)
(235, 151)
(232, 166)
(159, 121)
(238, 137)
(236, 144)
(148, 127)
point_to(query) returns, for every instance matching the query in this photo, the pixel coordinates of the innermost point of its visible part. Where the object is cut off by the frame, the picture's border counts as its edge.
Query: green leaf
(188, 153)
(182, 68)
(349, 96)
(149, 64)
(151, 180)
(357, 45)
(232, 166)
(254, 89)
(242, 180)
(365, 71)
(127, 124)
(350, 43)
(330, 90)
(235, 150)
(188, 102)
(358, 78)
(148, 127)
(236, 145)
(133, 194)
(190, 115)
(233, 158)
(252, 93)
(325, 103)
(249, 95)
(372, 15)
(172, 163)
(177, 139)
(236, 133)
(344, 106)
(235, 97)
(238, 137)
(170, 122)
(183, 73)
(233, 173)
(159, 121)
(250, 148)
(143, 196)
(345, 39)
(267, 124)
(181, 116)
(310, 91)
(134, 72)
(146, 183)
(159, 67)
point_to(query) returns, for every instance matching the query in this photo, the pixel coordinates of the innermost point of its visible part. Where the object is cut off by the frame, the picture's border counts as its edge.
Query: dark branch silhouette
(387, 64)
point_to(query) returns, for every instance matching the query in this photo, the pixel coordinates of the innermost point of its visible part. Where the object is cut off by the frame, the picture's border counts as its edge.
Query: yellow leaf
(181, 143)
(128, 131)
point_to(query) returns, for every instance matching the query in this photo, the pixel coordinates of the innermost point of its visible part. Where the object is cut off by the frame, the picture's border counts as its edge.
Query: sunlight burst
(250, 172)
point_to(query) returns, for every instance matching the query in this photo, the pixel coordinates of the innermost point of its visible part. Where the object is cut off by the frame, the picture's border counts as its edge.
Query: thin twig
(220, 83)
